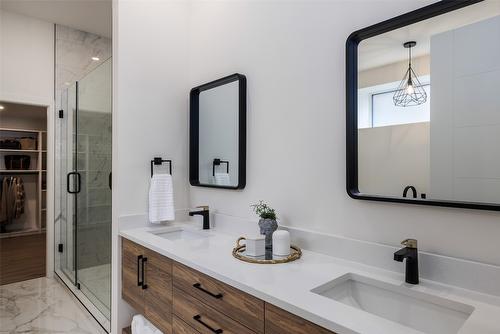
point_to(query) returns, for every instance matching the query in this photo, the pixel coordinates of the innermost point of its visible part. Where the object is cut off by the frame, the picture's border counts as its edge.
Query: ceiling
(92, 16)
(388, 48)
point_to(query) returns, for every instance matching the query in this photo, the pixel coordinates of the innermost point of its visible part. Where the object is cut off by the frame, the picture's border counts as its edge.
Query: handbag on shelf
(20, 162)
(10, 144)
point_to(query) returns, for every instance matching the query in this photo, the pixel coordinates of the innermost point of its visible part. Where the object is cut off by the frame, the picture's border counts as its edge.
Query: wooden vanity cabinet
(279, 321)
(132, 291)
(180, 300)
(147, 284)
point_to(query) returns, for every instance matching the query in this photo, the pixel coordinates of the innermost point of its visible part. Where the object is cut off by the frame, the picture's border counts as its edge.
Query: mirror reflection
(429, 108)
(218, 162)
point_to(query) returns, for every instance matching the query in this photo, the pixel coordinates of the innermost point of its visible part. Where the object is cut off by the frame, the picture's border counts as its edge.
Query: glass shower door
(83, 197)
(65, 202)
(93, 201)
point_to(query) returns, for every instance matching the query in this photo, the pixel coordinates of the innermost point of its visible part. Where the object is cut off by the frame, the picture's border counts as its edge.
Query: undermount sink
(179, 233)
(421, 311)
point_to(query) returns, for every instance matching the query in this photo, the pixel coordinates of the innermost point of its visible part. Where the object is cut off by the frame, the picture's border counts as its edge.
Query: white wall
(27, 77)
(150, 94)
(27, 63)
(293, 54)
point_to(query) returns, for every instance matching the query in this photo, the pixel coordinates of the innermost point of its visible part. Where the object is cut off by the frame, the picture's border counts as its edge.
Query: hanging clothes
(12, 198)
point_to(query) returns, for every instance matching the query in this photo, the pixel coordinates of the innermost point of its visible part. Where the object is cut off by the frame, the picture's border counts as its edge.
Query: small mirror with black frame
(423, 107)
(217, 133)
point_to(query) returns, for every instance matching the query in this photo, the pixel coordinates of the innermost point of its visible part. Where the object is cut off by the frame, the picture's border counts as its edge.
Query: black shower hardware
(218, 162)
(157, 161)
(413, 190)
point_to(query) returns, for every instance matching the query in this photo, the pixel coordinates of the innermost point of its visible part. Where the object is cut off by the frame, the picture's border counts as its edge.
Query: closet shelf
(19, 233)
(18, 151)
(19, 171)
(21, 130)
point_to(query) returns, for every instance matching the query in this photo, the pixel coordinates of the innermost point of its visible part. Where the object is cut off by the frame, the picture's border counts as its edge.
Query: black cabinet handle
(198, 319)
(199, 287)
(144, 285)
(79, 182)
(139, 264)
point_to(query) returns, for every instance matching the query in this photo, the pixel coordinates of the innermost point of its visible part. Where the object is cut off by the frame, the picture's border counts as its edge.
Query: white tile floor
(43, 306)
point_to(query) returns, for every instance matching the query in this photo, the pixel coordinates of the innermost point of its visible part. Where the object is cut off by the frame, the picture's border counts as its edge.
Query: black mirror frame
(194, 133)
(352, 43)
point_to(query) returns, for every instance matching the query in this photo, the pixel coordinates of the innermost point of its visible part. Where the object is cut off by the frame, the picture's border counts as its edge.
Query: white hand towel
(222, 179)
(141, 325)
(161, 198)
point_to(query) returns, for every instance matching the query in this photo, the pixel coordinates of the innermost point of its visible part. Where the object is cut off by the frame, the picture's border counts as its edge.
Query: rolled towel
(161, 198)
(141, 325)
(222, 179)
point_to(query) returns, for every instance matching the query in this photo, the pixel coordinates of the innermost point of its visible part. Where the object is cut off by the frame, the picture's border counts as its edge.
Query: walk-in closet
(23, 191)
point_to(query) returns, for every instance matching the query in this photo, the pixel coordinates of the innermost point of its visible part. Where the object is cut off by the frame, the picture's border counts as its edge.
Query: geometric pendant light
(410, 91)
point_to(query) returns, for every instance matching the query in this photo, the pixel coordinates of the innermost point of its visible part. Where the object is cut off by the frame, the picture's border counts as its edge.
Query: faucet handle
(410, 243)
(204, 207)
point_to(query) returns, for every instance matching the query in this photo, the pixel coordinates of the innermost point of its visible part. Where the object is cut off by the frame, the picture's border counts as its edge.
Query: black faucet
(410, 253)
(413, 190)
(203, 212)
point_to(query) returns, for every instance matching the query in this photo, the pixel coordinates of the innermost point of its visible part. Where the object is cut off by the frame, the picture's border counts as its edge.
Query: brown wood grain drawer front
(234, 303)
(180, 327)
(279, 321)
(204, 318)
(132, 293)
(158, 292)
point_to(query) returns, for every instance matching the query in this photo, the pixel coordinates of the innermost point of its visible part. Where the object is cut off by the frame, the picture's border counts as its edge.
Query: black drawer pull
(198, 286)
(144, 285)
(139, 264)
(198, 318)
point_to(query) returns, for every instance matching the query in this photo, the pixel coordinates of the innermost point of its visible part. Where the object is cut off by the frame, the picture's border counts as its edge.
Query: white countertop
(289, 285)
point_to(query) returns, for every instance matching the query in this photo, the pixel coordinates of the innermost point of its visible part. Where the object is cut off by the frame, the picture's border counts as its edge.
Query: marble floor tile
(43, 306)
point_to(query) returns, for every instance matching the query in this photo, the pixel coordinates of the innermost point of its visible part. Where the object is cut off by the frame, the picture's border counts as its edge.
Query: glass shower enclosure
(83, 190)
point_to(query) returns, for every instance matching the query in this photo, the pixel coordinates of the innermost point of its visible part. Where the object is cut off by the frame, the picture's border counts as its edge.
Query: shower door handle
(110, 181)
(78, 182)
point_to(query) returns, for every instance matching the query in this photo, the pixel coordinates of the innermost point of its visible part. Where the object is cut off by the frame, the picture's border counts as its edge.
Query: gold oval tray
(269, 258)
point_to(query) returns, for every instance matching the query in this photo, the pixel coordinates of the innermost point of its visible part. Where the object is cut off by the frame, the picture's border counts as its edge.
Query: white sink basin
(179, 233)
(421, 311)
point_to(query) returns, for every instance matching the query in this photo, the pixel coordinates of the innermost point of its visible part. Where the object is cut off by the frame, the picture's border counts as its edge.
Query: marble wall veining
(74, 52)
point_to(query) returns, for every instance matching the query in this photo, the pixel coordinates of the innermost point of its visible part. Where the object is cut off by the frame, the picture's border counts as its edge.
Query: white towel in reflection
(161, 198)
(141, 325)
(222, 179)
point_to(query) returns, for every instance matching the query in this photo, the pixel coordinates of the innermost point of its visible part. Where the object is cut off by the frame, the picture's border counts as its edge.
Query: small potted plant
(267, 222)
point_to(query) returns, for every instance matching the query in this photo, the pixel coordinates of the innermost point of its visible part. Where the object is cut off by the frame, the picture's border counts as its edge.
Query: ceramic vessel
(267, 228)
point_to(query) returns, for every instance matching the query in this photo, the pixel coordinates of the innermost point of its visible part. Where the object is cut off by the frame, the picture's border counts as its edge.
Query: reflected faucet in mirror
(413, 190)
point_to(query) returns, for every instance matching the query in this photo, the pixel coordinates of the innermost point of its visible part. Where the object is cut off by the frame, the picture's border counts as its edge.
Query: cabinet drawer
(234, 303)
(132, 293)
(180, 327)
(203, 318)
(279, 321)
(158, 292)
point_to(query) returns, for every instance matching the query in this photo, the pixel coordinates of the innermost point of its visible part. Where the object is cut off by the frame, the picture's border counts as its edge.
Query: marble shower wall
(74, 50)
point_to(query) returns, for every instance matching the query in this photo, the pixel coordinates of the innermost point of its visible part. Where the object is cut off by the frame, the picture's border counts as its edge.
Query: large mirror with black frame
(217, 139)
(423, 107)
